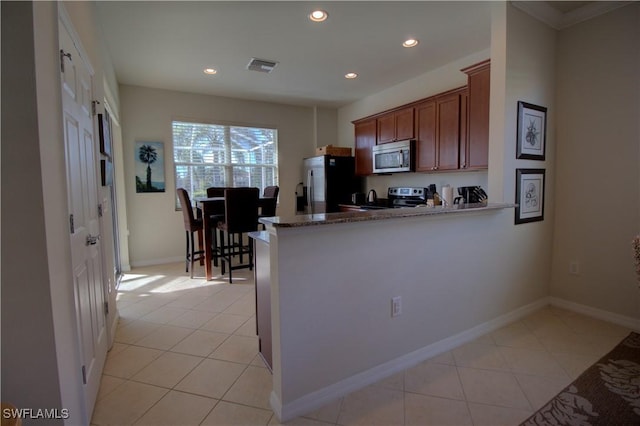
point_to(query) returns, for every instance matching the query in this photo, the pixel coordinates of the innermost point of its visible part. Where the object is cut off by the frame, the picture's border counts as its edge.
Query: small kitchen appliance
(407, 196)
(372, 197)
(394, 157)
(470, 195)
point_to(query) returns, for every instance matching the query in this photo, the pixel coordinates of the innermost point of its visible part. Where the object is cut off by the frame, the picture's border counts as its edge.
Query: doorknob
(92, 239)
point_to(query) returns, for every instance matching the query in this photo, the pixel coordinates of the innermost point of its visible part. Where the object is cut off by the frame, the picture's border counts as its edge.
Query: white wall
(598, 154)
(155, 227)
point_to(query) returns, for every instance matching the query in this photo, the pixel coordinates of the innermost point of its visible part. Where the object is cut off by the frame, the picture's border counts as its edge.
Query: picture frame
(532, 131)
(104, 133)
(149, 167)
(529, 195)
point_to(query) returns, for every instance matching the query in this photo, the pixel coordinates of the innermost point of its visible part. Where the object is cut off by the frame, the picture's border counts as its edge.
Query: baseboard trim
(321, 397)
(622, 320)
(153, 262)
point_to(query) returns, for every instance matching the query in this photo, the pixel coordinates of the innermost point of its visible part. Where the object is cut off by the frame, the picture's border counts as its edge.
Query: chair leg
(186, 257)
(192, 254)
(222, 252)
(214, 249)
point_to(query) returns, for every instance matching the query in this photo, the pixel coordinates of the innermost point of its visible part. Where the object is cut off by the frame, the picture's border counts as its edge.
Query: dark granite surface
(383, 214)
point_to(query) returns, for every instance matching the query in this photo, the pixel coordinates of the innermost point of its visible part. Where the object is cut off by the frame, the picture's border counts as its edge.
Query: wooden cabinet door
(448, 131)
(426, 136)
(464, 129)
(386, 128)
(477, 151)
(365, 139)
(404, 124)
(396, 126)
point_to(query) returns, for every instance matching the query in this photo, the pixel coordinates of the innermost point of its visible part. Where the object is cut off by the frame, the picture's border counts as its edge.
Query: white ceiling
(167, 45)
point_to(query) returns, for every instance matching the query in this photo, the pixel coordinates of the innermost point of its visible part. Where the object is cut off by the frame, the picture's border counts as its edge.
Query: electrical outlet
(574, 267)
(396, 306)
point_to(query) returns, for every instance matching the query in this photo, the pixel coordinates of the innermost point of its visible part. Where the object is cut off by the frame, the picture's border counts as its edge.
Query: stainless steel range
(406, 196)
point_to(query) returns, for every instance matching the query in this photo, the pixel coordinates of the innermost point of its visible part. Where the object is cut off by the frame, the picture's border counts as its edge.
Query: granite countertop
(296, 221)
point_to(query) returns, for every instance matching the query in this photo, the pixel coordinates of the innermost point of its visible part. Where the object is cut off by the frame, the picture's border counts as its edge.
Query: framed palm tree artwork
(149, 162)
(532, 130)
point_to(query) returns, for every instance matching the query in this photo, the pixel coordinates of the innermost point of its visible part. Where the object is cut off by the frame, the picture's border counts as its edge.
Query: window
(207, 155)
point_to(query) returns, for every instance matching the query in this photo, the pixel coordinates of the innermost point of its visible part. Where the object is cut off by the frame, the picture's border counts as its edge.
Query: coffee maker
(470, 195)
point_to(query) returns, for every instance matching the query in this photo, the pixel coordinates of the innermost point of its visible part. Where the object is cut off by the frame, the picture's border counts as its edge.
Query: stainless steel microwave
(394, 157)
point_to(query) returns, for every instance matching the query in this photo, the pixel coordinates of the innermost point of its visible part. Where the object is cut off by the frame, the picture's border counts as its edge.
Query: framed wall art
(532, 131)
(149, 162)
(529, 195)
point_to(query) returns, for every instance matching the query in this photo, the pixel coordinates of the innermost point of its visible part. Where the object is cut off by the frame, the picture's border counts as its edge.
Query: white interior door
(80, 154)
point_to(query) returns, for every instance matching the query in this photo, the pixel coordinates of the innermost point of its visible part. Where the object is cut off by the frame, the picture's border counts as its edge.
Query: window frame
(230, 166)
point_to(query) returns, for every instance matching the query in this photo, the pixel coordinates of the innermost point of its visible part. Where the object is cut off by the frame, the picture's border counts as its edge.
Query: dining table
(206, 207)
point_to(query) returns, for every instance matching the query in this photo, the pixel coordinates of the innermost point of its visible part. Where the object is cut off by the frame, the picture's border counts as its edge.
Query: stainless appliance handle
(310, 189)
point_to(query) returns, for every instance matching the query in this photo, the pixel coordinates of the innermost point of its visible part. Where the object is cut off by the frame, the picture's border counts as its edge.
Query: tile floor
(186, 354)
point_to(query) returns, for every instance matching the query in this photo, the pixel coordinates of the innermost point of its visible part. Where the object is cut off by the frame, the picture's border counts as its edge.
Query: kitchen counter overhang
(297, 221)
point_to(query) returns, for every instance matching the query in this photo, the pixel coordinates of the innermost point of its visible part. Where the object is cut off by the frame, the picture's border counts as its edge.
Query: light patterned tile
(328, 413)
(235, 348)
(529, 361)
(129, 361)
(444, 358)
(434, 380)
(108, 384)
(126, 405)
(192, 319)
(134, 331)
(492, 388)
(200, 343)
(478, 355)
(211, 378)
(178, 408)
(225, 323)
(372, 406)
(164, 337)
(516, 335)
(228, 414)
(422, 410)
(489, 415)
(167, 370)
(539, 390)
(252, 388)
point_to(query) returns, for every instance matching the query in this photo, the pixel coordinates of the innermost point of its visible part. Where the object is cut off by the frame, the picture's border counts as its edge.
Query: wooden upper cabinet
(477, 143)
(426, 150)
(438, 132)
(396, 125)
(365, 139)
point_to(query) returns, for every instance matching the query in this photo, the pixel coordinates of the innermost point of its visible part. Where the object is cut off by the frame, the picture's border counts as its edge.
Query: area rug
(607, 393)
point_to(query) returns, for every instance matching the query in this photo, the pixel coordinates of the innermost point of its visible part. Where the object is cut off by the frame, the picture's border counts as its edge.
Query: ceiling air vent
(261, 65)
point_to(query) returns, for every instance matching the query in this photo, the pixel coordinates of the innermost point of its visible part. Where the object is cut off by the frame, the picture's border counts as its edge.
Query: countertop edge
(383, 214)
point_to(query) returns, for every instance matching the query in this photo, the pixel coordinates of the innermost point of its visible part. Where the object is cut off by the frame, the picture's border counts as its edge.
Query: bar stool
(216, 217)
(269, 202)
(241, 216)
(191, 225)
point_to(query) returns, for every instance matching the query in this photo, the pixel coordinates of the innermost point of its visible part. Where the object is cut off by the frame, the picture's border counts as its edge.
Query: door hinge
(106, 308)
(71, 227)
(62, 56)
(84, 375)
(100, 210)
(94, 107)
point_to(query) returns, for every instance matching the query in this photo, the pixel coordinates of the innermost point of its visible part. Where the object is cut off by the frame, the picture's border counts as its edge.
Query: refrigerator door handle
(310, 194)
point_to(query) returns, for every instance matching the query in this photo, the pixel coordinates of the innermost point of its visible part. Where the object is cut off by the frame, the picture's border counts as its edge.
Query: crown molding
(542, 11)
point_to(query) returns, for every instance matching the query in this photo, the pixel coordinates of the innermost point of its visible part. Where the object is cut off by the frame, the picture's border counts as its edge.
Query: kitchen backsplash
(382, 182)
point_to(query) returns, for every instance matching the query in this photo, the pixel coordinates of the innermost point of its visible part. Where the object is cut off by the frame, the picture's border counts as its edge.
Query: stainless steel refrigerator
(329, 181)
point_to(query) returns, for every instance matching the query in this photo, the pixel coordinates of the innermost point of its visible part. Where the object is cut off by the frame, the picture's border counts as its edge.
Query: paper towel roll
(447, 195)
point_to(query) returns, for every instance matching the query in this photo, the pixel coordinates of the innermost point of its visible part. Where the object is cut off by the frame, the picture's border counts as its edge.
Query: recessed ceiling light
(318, 15)
(410, 42)
(210, 71)
(350, 75)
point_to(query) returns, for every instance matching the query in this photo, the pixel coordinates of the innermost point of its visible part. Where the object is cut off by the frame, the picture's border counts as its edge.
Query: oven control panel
(406, 192)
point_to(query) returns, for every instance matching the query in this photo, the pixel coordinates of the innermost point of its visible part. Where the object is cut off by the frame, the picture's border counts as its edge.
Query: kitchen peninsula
(333, 277)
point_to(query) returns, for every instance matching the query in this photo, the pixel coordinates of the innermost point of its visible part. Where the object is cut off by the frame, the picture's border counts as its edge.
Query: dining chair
(241, 217)
(216, 216)
(269, 202)
(191, 225)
